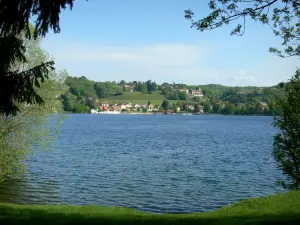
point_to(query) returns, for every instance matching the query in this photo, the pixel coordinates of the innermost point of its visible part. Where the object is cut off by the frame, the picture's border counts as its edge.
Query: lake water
(154, 163)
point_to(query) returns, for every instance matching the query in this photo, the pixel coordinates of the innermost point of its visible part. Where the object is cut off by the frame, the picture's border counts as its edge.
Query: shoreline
(170, 114)
(281, 208)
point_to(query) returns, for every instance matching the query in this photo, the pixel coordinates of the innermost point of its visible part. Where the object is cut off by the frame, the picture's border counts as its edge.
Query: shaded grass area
(136, 96)
(278, 209)
(140, 102)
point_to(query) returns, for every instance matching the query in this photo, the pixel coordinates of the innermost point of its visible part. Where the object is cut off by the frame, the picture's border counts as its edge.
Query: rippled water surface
(152, 163)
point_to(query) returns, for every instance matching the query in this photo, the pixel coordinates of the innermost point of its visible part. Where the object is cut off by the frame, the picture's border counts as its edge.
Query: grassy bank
(136, 98)
(277, 209)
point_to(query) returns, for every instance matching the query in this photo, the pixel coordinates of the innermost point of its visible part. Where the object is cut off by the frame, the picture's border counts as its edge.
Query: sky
(113, 40)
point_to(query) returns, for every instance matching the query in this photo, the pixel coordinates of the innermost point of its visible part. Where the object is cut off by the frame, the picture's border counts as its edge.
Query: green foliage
(165, 104)
(142, 87)
(229, 109)
(30, 127)
(19, 86)
(287, 141)
(144, 110)
(86, 92)
(105, 89)
(131, 96)
(196, 108)
(278, 209)
(282, 16)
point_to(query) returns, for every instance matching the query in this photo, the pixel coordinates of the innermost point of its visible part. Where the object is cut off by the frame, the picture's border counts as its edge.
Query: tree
(182, 95)
(228, 109)
(153, 87)
(20, 86)
(286, 143)
(165, 105)
(149, 86)
(142, 87)
(196, 108)
(282, 16)
(31, 127)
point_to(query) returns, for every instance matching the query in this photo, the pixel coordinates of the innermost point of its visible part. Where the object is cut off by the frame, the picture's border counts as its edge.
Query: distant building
(94, 111)
(104, 107)
(197, 93)
(264, 106)
(104, 104)
(185, 90)
(123, 106)
(115, 108)
(191, 107)
(129, 105)
(170, 111)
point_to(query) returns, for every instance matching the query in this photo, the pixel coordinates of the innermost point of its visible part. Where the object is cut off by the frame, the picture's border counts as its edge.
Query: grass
(135, 98)
(140, 98)
(277, 209)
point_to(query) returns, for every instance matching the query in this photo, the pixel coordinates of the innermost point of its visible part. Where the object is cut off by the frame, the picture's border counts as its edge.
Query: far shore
(170, 114)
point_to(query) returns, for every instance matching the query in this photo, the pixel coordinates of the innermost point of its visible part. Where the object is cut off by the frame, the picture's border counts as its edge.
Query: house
(191, 107)
(264, 106)
(197, 93)
(123, 106)
(185, 90)
(137, 106)
(104, 107)
(170, 111)
(94, 111)
(103, 104)
(115, 108)
(129, 105)
(150, 106)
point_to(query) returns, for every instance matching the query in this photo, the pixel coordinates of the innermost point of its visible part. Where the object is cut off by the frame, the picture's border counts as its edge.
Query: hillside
(278, 209)
(135, 97)
(84, 95)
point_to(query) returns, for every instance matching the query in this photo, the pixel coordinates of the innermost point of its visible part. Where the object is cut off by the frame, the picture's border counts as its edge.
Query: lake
(156, 163)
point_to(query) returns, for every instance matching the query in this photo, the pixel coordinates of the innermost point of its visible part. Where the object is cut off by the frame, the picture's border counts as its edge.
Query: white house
(94, 111)
(123, 106)
(129, 105)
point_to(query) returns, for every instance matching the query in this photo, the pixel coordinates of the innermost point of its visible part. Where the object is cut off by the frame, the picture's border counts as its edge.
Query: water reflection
(25, 191)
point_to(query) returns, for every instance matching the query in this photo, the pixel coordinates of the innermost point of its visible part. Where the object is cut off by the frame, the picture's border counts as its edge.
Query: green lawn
(139, 98)
(277, 209)
(135, 98)
(140, 102)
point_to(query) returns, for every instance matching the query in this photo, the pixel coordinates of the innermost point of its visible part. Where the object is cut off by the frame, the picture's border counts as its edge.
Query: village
(129, 107)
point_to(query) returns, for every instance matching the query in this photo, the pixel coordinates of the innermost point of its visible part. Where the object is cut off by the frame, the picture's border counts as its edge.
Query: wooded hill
(84, 94)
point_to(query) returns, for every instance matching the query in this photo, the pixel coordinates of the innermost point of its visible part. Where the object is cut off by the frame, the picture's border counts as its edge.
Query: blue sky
(150, 39)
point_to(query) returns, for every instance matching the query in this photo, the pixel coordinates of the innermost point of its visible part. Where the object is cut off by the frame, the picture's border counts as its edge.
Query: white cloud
(186, 63)
(242, 76)
(160, 55)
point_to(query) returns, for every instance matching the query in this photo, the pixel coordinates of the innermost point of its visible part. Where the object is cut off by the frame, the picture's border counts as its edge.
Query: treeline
(83, 95)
